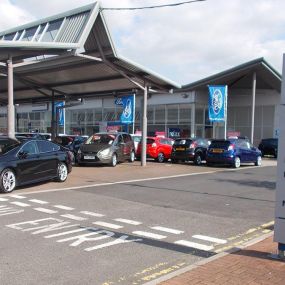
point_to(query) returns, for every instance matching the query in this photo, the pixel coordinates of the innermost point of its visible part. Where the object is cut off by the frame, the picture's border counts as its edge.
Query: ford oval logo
(217, 101)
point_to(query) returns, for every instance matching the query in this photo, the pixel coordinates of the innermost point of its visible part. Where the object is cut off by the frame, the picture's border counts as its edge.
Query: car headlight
(105, 152)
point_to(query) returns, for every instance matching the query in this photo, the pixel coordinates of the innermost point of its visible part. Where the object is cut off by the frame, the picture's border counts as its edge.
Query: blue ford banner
(60, 112)
(127, 116)
(217, 103)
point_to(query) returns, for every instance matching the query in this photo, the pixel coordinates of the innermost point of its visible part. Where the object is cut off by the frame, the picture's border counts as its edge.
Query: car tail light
(153, 145)
(231, 147)
(193, 145)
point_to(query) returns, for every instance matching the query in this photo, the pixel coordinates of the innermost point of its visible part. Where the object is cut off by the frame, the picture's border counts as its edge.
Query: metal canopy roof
(240, 77)
(71, 54)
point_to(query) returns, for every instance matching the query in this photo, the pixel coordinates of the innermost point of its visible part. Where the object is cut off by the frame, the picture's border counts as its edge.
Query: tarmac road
(131, 232)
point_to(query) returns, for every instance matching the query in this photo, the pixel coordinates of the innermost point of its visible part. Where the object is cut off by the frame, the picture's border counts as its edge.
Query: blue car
(232, 152)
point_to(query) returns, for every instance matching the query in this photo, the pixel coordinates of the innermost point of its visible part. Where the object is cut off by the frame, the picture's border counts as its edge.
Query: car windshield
(185, 142)
(220, 144)
(64, 141)
(136, 138)
(7, 145)
(149, 141)
(101, 139)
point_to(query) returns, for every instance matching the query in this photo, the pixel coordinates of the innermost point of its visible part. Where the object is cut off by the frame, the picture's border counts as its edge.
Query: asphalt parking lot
(88, 176)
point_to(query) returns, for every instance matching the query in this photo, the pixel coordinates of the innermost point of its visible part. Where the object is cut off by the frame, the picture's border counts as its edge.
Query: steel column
(144, 127)
(53, 117)
(253, 106)
(11, 107)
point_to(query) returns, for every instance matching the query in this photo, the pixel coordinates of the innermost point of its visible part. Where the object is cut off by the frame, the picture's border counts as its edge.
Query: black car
(107, 148)
(71, 142)
(189, 149)
(30, 161)
(269, 147)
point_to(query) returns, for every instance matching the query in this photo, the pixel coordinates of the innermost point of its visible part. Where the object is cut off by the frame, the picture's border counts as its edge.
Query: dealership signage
(217, 103)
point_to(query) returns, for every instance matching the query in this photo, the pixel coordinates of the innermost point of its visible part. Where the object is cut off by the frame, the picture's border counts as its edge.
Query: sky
(183, 43)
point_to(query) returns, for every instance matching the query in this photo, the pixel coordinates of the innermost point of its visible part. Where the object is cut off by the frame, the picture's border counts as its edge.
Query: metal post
(11, 107)
(253, 106)
(193, 106)
(226, 112)
(144, 127)
(52, 117)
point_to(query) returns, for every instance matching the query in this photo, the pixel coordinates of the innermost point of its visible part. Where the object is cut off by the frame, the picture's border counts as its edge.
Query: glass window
(46, 146)
(172, 113)
(126, 138)
(28, 36)
(52, 31)
(37, 37)
(9, 37)
(30, 148)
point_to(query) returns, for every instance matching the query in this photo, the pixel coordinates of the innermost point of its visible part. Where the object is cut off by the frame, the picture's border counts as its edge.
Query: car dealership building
(90, 88)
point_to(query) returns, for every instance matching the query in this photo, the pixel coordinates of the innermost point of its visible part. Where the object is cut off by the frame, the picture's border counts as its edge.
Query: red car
(158, 148)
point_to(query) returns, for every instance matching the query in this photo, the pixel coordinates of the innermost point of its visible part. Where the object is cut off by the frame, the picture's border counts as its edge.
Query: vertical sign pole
(11, 107)
(253, 106)
(144, 127)
(226, 111)
(279, 228)
(134, 113)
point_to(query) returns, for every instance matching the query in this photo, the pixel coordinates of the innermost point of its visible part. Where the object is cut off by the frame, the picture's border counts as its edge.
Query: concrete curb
(207, 260)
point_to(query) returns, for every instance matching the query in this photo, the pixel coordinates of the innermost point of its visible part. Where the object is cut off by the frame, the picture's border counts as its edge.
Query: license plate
(217, 150)
(180, 148)
(89, 157)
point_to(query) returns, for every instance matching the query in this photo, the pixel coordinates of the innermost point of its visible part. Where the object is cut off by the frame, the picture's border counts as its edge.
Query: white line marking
(194, 245)
(63, 207)
(44, 210)
(211, 239)
(108, 225)
(66, 233)
(18, 197)
(149, 235)
(3, 199)
(125, 221)
(38, 201)
(141, 180)
(20, 204)
(168, 230)
(92, 214)
(72, 217)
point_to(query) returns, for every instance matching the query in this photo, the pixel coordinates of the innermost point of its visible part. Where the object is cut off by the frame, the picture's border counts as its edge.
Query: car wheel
(258, 161)
(197, 159)
(160, 157)
(237, 162)
(62, 172)
(114, 160)
(7, 180)
(132, 156)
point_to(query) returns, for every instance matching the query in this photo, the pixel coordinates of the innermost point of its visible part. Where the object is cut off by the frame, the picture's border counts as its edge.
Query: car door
(28, 162)
(128, 147)
(48, 158)
(120, 146)
(245, 151)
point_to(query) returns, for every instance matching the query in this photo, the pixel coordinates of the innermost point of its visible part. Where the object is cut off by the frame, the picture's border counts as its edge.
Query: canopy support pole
(253, 106)
(11, 107)
(52, 117)
(144, 127)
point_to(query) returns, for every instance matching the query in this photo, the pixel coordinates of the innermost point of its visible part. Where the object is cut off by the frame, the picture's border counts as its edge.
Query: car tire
(7, 180)
(62, 172)
(258, 161)
(160, 157)
(197, 159)
(132, 156)
(114, 160)
(236, 162)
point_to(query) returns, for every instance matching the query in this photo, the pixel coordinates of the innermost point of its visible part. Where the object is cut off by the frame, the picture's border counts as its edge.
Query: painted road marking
(211, 239)
(130, 222)
(194, 245)
(63, 207)
(108, 225)
(67, 233)
(18, 197)
(91, 214)
(3, 199)
(20, 204)
(73, 217)
(38, 201)
(168, 230)
(149, 235)
(44, 210)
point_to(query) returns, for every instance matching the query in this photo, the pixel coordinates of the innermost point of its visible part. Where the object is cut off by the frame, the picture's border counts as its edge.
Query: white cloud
(184, 43)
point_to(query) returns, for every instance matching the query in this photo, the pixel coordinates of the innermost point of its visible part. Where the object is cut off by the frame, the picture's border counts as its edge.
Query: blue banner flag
(127, 116)
(60, 111)
(217, 103)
